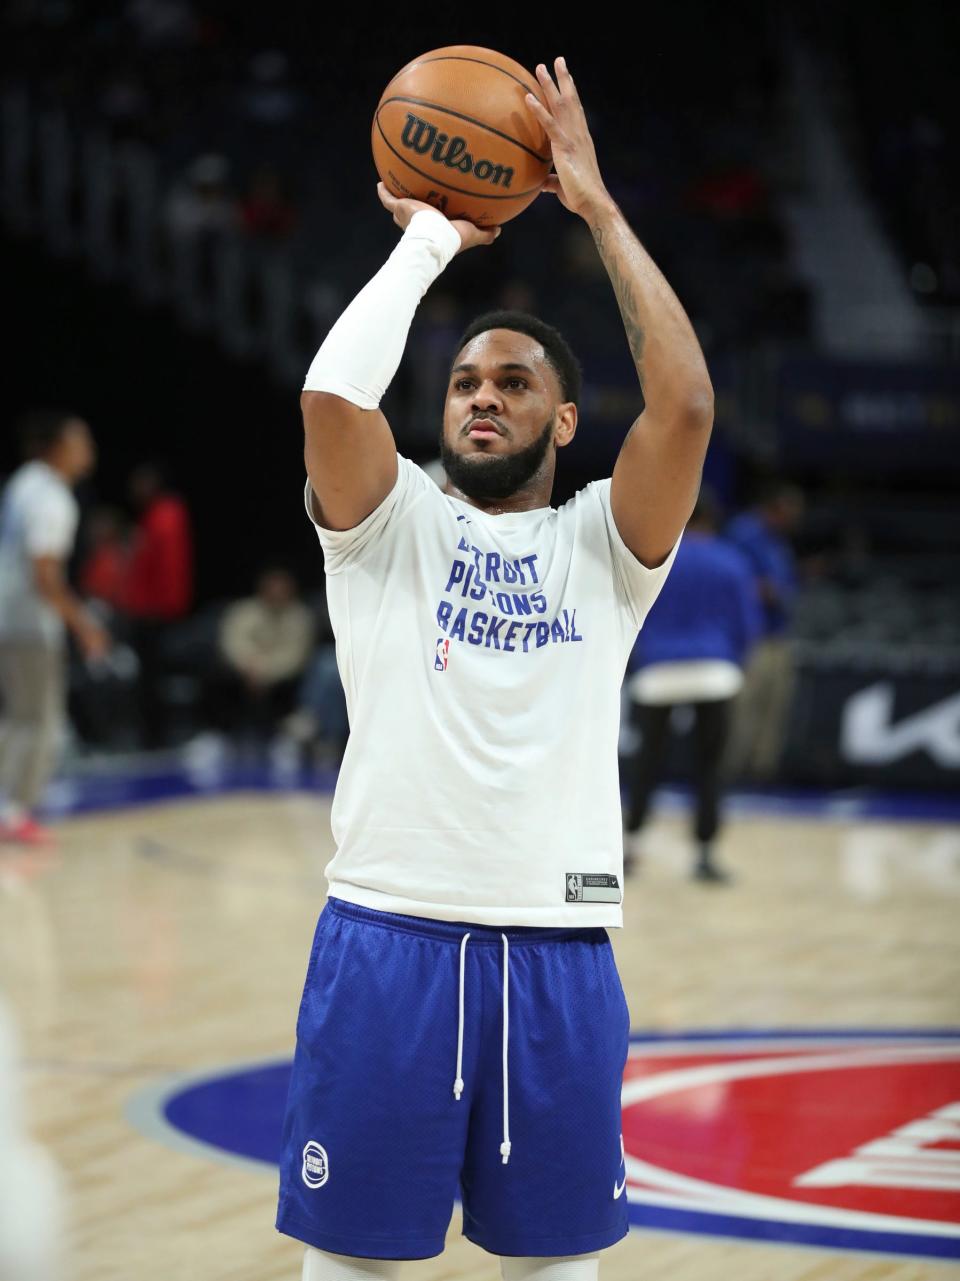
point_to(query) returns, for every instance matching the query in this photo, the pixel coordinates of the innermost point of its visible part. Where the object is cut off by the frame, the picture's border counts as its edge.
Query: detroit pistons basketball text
(478, 579)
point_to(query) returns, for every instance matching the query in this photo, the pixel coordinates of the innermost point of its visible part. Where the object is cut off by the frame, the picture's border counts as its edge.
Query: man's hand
(577, 182)
(404, 208)
(94, 640)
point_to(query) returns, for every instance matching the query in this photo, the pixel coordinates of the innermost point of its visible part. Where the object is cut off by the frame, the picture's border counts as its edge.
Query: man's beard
(484, 477)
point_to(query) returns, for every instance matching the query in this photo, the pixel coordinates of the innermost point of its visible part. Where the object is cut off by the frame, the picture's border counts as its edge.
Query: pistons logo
(443, 651)
(849, 1141)
(316, 1167)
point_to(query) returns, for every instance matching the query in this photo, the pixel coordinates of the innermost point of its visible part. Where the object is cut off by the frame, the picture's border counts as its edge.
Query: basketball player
(462, 1022)
(38, 522)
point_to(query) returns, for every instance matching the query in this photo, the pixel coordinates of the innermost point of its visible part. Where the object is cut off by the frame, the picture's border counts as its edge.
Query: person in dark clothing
(691, 651)
(158, 588)
(762, 536)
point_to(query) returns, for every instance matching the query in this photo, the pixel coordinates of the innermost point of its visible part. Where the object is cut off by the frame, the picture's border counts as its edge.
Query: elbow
(698, 407)
(310, 401)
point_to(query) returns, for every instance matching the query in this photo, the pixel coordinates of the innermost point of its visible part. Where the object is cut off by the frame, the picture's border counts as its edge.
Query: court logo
(840, 1140)
(846, 1140)
(442, 654)
(316, 1168)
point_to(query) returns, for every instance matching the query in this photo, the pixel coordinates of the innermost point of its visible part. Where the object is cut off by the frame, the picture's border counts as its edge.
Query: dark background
(711, 125)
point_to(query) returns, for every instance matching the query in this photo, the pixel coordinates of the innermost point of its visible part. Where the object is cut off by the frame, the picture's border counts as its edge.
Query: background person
(691, 650)
(38, 525)
(760, 716)
(158, 590)
(265, 642)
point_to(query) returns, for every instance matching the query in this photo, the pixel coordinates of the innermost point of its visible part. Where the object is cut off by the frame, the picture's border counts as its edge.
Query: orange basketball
(452, 128)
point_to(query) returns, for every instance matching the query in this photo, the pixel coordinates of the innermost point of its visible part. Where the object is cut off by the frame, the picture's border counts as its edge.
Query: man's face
(276, 589)
(503, 416)
(78, 453)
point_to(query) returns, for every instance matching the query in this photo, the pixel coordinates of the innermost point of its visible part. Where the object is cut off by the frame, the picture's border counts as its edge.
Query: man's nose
(486, 396)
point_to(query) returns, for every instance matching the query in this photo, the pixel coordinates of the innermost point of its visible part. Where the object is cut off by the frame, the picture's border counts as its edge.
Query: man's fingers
(549, 88)
(565, 79)
(539, 110)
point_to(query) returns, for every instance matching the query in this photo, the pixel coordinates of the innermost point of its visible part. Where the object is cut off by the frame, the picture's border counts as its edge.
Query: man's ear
(566, 427)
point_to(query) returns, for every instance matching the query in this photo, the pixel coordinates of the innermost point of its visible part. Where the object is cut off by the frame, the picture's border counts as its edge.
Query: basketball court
(791, 1100)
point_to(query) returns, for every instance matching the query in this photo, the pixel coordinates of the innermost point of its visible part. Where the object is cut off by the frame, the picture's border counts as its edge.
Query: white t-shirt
(38, 517)
(482, 659)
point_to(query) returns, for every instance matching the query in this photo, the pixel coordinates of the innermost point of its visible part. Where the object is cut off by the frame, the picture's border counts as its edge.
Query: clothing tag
(592, 887)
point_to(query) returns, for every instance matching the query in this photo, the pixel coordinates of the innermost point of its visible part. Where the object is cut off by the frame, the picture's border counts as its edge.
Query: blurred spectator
(267, 98)
(103, 569)
(691, 650)
(199, 204)
(265, 210)
(320, 720)
(265, 642)
(125, 101)
(38, 522)
(158, 588)
(159, 23)
(760, 715)
(438, 326)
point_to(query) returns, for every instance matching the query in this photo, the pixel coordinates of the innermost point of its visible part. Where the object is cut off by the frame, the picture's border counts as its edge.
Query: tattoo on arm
(629, 311)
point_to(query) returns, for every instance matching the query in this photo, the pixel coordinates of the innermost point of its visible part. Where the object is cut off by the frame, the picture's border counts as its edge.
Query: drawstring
(505, 1145)
(458, 1083)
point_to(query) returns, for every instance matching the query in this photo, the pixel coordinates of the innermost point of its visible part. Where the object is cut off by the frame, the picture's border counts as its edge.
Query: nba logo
(443, 649)
(574, 887)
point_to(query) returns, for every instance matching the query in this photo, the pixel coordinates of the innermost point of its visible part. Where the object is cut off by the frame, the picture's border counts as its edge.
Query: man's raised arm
(656, 477)
(349, 450)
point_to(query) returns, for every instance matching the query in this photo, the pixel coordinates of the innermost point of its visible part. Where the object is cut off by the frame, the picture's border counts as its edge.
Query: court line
(193, 864)
(122, 788)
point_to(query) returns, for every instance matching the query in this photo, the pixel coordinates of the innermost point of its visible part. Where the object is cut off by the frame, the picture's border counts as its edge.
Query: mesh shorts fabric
(376, 1146)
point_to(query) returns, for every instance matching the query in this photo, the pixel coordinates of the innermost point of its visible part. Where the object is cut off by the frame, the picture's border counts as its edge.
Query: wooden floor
(174, 937)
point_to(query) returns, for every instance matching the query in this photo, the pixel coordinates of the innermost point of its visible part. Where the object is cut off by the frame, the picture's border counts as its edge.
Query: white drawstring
(458, 1083)
(505, 1145)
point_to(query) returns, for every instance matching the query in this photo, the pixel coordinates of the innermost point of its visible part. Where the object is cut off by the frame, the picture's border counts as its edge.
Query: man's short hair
(556, 349)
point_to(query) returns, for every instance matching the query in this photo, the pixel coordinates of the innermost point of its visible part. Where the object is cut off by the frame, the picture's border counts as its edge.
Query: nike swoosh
(618, 1191)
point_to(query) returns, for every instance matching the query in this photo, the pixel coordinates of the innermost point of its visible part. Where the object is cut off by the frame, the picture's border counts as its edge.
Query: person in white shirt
(482, 637)
(38, 523)
(265, 642)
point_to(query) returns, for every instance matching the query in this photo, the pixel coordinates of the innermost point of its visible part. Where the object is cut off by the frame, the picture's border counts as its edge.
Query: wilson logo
(423, 138)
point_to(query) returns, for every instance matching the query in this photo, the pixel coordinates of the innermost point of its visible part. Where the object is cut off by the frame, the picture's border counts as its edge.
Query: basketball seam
(459, 57)
(473, 195)
(424, 102)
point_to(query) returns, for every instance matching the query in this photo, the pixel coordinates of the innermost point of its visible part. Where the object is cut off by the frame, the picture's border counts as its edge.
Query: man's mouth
(483, 427)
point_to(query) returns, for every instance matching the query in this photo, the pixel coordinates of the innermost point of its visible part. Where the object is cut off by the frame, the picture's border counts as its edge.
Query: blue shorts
(376, 1142)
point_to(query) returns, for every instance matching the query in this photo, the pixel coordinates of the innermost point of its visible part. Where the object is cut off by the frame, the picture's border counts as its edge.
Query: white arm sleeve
(361, 353)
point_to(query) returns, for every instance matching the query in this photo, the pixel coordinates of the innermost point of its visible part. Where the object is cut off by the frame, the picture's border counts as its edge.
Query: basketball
(452, 128)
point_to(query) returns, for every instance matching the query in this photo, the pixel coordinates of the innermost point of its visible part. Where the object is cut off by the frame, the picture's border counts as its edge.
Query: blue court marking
(83, 793)
(234, 1114)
